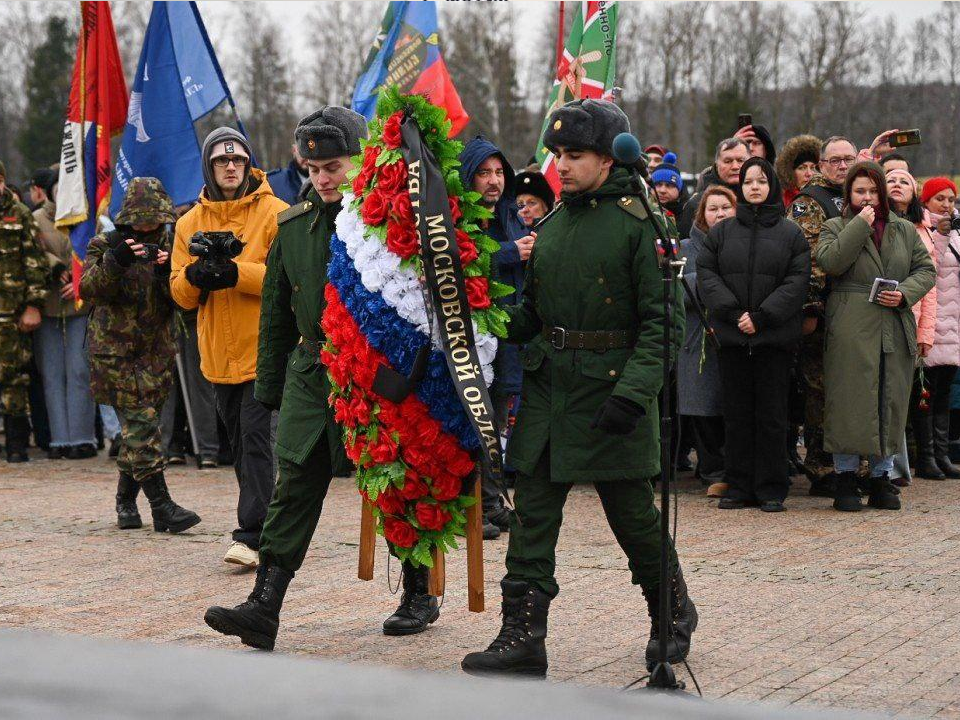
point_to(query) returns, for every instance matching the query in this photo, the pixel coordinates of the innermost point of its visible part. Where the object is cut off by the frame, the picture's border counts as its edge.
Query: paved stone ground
(809, 606)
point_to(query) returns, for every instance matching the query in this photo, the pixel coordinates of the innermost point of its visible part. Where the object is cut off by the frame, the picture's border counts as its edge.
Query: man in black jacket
(730, 156)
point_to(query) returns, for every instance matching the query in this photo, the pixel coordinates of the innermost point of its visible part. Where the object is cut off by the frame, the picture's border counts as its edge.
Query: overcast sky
(285, 12)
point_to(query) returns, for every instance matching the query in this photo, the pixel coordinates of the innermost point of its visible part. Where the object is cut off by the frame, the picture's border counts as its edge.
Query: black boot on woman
(941, 445)
(847, 498)
(883, 495)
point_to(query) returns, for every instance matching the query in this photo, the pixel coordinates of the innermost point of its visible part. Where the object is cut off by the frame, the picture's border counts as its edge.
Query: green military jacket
(24, 271)
(130, 335)
(594, 267)
(289, 373)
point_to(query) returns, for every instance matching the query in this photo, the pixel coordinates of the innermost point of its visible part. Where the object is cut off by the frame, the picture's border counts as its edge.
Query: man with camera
(218, 265)
(131, 346)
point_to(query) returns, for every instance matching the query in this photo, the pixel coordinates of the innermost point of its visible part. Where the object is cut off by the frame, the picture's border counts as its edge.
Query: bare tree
(264, 88)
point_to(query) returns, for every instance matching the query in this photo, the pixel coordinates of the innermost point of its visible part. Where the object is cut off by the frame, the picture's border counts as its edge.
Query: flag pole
(223, 81)
(560, 12)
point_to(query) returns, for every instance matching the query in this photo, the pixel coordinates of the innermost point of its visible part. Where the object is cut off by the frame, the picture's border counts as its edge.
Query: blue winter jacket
(505, 227)
(286, 183)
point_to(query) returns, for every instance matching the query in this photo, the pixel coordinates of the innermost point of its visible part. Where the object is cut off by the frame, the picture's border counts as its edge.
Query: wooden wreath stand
(437, 583)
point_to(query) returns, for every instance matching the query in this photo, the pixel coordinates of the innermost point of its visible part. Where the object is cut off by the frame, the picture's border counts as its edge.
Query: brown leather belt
(564, 339)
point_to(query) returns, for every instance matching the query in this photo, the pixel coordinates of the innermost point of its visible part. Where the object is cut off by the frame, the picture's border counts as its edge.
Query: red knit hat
(935, 185)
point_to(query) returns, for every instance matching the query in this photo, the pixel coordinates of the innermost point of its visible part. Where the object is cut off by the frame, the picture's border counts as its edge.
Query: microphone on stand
(627, 151)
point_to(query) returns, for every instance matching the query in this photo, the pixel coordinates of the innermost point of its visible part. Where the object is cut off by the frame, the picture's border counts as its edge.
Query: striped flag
(97, 110)
(586, 69)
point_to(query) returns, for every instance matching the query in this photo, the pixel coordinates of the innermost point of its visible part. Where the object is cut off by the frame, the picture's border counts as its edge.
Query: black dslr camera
(211, 247)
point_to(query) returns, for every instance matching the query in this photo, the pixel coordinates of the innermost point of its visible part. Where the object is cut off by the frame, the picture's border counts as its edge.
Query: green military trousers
(630, 511)
(295, 507)
(141, 443)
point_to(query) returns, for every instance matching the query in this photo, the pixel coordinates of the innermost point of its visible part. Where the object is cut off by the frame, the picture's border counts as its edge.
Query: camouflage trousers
(817, 462)
(15, 351)
(141, 450)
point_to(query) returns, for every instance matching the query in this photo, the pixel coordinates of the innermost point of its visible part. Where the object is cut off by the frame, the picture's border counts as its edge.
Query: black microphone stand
(662, 677)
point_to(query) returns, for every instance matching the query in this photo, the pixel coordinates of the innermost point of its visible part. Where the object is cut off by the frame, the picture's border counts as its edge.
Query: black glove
(202, 276)
(123, 255)
(617, 416)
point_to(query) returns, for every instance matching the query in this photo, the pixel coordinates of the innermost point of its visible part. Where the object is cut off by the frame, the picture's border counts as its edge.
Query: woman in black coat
(753, 274)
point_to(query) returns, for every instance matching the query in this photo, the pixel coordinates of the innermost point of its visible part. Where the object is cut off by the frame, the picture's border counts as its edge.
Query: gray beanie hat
(585, 125)
(330, 132)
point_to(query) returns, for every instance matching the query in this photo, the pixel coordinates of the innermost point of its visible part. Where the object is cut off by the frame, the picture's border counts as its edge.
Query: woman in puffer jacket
(938, 197)
(753, 273)
(905, 201)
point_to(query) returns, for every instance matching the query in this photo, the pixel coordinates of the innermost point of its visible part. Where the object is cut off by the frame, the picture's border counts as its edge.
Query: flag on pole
(178, 81)
(406, 53)
(586, 69)
(96, 112)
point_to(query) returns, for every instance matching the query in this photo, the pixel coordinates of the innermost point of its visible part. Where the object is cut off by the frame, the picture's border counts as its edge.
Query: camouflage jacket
(130, 335)
(24, 271)
(807, 213)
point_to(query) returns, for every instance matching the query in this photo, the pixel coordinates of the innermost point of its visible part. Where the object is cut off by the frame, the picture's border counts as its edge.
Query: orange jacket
(227, 323)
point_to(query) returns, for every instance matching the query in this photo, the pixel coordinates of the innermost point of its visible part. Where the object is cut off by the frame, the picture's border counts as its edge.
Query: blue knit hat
(668, 172)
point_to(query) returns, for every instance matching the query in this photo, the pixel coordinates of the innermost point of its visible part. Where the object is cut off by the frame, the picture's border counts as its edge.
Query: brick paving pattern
(809, 606)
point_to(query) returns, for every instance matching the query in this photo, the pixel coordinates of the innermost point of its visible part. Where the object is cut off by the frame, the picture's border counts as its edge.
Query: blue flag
(178, 81)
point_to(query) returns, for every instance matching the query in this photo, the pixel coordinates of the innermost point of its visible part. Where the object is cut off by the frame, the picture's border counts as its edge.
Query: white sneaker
(240, 554)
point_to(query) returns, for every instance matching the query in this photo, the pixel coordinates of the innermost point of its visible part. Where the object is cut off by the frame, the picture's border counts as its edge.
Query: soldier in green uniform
(131, 344)
(592, 317)
(24, 276)
(818, 201)
(290, 377)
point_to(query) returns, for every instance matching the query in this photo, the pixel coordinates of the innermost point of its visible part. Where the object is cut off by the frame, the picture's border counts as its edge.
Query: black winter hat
(532, 182)
(585, 125)
(330, 132)
(45, 179)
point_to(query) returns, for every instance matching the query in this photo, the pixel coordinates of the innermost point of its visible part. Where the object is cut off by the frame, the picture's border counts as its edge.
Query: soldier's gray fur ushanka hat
(330, 132)
(585, 125)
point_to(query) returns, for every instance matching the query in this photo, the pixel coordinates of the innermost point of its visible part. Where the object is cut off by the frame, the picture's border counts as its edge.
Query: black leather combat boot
(128, 517)
(684, 620)
(17, 430)
(257, 620)
(847, 498)
(418, 608)
(520, 648)
(167, 515)
(883, 495)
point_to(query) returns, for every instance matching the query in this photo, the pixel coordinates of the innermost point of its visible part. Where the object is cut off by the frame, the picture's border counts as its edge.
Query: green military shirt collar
(616, 185)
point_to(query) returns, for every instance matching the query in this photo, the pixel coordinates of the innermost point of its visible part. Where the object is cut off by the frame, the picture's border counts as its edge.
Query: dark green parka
(594, 267)
(289, 373)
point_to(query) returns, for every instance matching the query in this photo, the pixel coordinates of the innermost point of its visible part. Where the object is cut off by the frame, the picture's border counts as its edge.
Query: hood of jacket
(792, 148)
(769, 213)
(220, 135)
(472, 156)
(763, 135)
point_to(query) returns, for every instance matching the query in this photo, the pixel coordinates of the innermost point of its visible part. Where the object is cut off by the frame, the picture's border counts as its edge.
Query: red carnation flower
(374, 208)
(400, 532)
(390, 502)
(478, 292)
(384, 450)
(413, 487)
(360, 408)
(391, 130)
(455, 209)
(445, 486)
(342, 412)
(431, 516)
(401, 210)
(392, 178)
(468, 249)
(402, 240)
